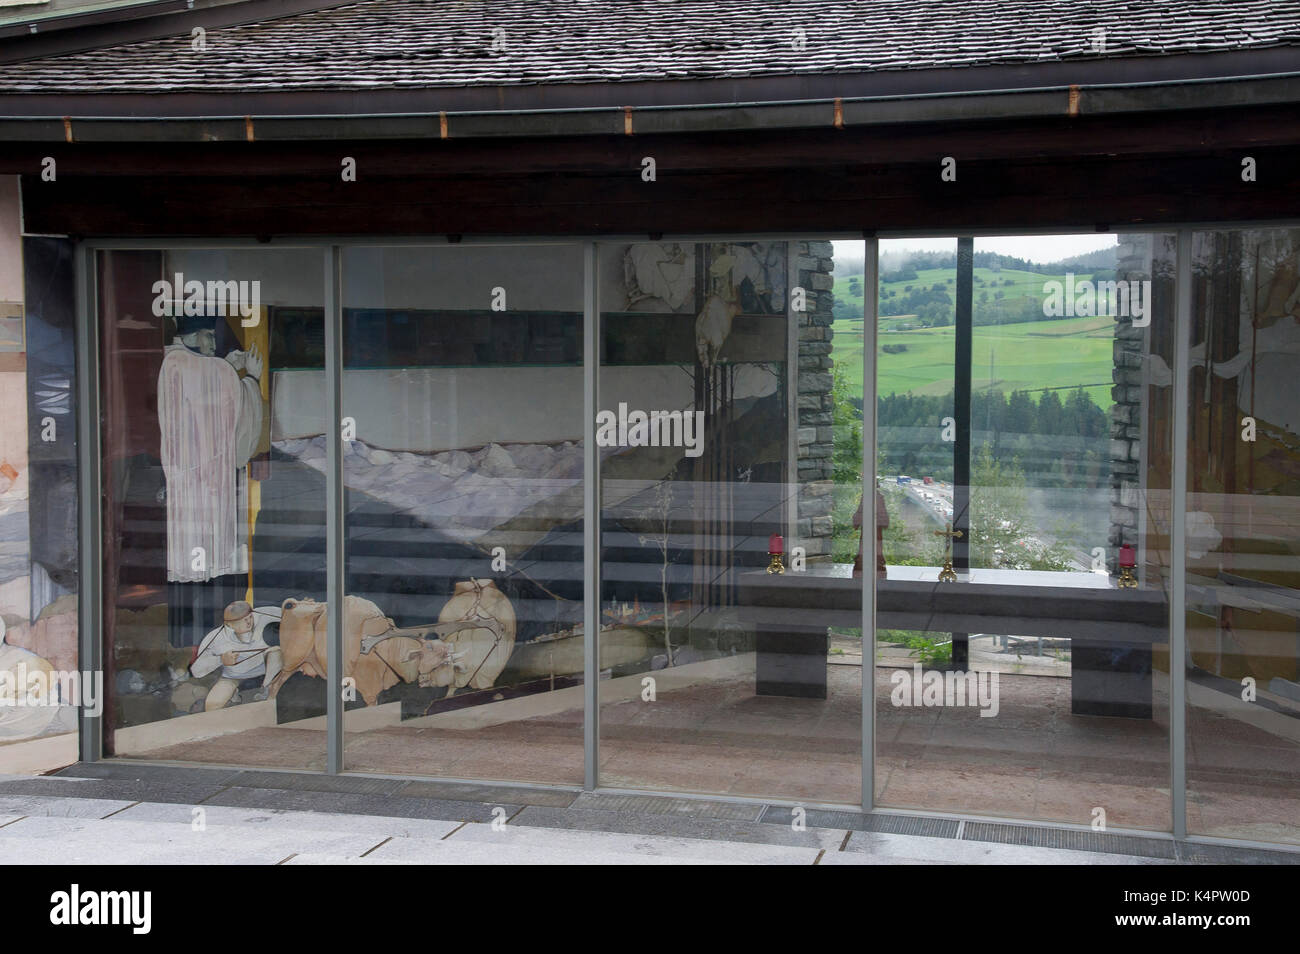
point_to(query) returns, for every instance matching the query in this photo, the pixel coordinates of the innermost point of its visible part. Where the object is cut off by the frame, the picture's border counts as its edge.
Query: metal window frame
(1181, 372)
(335, 515)
(870, 403)
(90, 468)
(90, 526)
(591, 552)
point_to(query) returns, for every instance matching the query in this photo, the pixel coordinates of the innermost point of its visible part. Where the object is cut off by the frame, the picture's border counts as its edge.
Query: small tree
(661, 513)
(1001, 534)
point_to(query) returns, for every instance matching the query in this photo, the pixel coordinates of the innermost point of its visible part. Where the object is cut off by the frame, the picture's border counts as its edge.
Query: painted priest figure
(210, 414)
(238, 649)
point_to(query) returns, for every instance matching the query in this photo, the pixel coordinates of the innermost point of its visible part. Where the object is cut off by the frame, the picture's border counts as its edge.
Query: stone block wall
(813, 267)
(1127, 416)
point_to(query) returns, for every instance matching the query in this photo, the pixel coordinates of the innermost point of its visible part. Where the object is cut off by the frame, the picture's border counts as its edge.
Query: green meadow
(1029, 356)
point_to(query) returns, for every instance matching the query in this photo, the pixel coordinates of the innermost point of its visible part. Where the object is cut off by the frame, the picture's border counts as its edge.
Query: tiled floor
(1034, 760)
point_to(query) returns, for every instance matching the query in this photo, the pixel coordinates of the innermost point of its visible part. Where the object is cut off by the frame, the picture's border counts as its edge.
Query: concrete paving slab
(858, 858)
(54, 806)
(97, 841)
(318, 858)
(889, 847)
(510, 852)
(246, 819)
(271, 826)
(391, 805)
(551, 839)
(751, 832)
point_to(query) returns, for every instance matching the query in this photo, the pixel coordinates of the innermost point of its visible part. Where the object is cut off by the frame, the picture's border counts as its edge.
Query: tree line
(911, 439)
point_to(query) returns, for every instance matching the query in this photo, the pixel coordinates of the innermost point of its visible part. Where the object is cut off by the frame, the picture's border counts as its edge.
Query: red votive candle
(1127, 557)
(775, 544)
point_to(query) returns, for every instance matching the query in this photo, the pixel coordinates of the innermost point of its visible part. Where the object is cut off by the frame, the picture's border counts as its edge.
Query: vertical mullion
(1178, 537)
(870, 266)
(590, 521)
(334, 539)
(90, 528)
(962, 383)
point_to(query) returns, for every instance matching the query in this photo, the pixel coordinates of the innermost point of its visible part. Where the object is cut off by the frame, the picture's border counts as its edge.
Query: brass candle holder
(775, 549)
(1127, 563)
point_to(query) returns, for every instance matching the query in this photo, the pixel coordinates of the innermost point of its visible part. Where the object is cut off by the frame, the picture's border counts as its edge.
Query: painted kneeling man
(245, 659)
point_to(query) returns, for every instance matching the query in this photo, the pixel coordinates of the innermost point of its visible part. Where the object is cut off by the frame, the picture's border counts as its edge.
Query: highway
(935, 500)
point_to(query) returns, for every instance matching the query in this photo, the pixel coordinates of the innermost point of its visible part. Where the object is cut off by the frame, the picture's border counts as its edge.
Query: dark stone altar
(1112, 630)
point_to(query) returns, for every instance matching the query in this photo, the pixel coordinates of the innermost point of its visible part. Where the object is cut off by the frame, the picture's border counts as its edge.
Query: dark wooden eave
(1079, 172)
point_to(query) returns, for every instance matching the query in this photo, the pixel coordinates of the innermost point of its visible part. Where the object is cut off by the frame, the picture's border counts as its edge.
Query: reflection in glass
(1243, 536)
(463, 456)
(718, 676)
(212, 530)
(1024, 454)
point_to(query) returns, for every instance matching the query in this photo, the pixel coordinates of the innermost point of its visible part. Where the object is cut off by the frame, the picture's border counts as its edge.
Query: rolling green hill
(1011, 355)
(1028, 356)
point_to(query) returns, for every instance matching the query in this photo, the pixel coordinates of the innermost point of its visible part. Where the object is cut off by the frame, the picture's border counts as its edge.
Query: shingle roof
(414, 44)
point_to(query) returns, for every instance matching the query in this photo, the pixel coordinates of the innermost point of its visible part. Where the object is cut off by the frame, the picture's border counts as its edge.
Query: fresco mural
(463, 471)
(38, 483)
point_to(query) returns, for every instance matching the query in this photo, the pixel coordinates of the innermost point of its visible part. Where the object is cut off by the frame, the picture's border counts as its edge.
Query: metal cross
(947, 574)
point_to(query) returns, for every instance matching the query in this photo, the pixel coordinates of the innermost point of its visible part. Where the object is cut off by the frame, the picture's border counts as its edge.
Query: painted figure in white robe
(211, 421)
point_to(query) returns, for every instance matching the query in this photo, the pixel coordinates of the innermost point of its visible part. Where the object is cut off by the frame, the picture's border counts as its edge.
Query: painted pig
(303, 644)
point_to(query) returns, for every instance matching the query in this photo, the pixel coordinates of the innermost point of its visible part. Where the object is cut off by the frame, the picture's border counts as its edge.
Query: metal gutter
(1054, 102)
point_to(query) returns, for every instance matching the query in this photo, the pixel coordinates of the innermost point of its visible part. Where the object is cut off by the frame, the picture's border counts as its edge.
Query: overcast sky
(1034, 248)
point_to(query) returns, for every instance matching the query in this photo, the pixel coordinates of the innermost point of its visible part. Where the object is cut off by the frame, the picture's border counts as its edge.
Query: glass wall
(213, 526)
(462, 465)
(1243, 536)
(729, 434)
(1024, 455)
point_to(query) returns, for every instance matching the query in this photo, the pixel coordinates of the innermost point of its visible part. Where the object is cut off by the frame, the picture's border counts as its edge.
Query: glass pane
(1015, 674)
(729, 427)
(213, 526)
(1243, 536)
(463, 458)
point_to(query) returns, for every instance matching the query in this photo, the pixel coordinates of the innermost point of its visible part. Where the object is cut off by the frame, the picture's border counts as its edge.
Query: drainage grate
(140, 771)
(856, 821)
(488, 794)
(658, 805)
(1069, 839)
(1225, 855)
(340, 784)
(912, 825)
